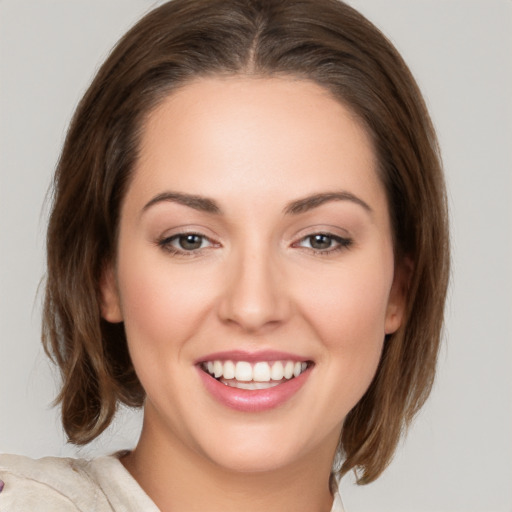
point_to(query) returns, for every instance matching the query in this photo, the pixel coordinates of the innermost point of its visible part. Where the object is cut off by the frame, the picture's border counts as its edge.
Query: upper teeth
(262, 371)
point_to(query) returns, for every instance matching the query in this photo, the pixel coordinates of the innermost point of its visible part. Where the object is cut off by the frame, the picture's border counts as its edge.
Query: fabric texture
(69, 485)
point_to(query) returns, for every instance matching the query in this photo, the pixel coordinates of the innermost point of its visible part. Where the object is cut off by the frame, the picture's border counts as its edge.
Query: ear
(110, 303)
(397, 299)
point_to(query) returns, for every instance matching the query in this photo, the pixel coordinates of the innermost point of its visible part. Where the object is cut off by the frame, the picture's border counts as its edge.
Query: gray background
(458, 455)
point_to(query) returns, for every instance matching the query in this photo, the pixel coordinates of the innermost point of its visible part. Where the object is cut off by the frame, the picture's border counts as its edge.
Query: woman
(249, 239)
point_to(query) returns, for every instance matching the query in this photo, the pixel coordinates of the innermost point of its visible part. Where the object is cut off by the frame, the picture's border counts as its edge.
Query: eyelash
(165, 243)
(342, 243)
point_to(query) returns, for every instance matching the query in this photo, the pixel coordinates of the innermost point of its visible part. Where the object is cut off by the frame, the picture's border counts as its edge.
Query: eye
(320, 241)
(190, 241)
(324, 242)
(183, 243)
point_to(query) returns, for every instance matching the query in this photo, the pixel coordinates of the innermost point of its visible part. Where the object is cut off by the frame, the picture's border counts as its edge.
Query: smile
(258, 375)
(254, 382)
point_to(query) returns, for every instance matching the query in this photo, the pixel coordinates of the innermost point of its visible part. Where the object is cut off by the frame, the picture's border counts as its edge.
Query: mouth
(257, 375)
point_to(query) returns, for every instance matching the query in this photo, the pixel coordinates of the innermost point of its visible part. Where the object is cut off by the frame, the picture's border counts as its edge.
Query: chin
(255, 461)
(257, 449)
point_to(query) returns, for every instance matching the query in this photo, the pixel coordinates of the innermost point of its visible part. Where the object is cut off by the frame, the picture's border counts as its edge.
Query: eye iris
(320, 241)
(190, 242)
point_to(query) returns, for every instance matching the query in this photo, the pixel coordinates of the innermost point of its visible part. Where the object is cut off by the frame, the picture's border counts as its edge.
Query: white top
(69, 485)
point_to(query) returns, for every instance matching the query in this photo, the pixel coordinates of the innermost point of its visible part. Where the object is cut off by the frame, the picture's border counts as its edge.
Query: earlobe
(110, 303)
(398, 296)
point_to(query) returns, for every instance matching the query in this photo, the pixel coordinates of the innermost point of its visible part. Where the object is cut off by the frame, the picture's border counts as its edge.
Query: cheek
(348, 314)
(161, 309)
(350, 304)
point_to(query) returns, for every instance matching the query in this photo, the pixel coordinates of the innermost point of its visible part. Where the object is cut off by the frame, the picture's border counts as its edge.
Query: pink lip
(253, 400)
(251, 357)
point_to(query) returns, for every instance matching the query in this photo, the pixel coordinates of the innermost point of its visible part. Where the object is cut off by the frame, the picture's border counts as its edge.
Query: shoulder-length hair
(324, 41)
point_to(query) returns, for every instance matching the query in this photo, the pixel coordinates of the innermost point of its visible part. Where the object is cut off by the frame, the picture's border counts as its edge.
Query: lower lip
(253, 400)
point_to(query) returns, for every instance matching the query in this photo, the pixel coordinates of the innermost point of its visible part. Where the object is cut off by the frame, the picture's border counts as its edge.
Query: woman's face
(254, 245)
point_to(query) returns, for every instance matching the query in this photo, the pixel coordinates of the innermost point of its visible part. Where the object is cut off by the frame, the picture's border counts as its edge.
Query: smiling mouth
(259, 375)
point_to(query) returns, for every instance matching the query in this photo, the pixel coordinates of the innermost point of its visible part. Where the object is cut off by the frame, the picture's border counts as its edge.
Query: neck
(179, 479)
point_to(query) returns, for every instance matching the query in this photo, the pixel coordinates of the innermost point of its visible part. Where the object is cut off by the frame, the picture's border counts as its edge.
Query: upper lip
(250, 357)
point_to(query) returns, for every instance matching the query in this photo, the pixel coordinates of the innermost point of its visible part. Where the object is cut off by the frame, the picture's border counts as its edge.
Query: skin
(253, 146)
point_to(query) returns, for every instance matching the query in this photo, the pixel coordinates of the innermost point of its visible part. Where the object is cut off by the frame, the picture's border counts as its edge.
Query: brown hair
(325, 41)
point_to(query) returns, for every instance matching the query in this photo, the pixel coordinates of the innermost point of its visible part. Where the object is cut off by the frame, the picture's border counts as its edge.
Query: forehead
(245, 135)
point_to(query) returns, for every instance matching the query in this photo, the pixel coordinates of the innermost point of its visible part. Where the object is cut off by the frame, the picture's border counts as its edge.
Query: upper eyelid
(324, 233)
(320, 229)
(188, 230)
(183, 233)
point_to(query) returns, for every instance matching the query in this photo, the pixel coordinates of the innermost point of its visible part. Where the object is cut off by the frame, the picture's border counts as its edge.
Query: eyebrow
(308, 203)
(203, 204)
(296, 207)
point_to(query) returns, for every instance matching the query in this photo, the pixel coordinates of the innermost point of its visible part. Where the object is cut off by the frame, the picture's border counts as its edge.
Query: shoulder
(70, 485)
(48, 484)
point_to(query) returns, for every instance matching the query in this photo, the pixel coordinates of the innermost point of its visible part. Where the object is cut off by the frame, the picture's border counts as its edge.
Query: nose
(255, 296)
